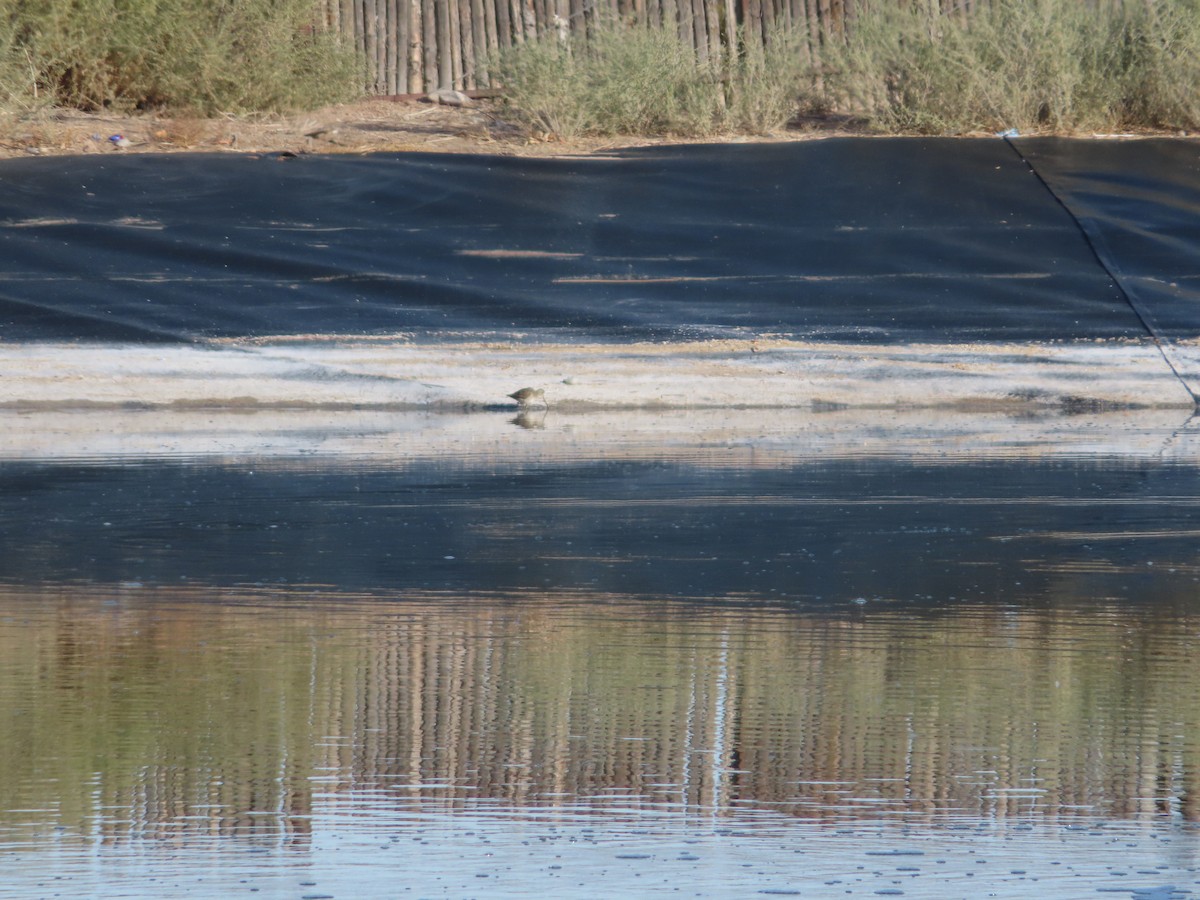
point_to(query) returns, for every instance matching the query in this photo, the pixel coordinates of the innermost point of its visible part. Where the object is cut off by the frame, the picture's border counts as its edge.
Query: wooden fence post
(415, 51)
(429, 27)
(421, 45)
(366, 16)
(492, 25)
(445, 69)
(465, 76)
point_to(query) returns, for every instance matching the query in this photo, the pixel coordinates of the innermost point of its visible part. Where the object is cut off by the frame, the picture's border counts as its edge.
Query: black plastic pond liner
(1139, 204)
(832, 528)
(870, 240)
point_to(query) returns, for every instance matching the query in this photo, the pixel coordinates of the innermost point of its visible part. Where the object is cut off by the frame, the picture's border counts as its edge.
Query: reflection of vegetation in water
(127, 714)
(156, 711)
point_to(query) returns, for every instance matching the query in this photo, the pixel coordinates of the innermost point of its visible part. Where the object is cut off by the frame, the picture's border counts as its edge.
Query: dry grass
(194, 57)
(1034, 65)
(630, 80)
(903, 67)
(185, 132)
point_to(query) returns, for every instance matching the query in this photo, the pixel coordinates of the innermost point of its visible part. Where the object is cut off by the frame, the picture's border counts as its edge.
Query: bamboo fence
(417, 46)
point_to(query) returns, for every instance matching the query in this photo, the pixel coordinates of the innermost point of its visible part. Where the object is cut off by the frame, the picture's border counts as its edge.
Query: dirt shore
(371, 125)
(365, 126)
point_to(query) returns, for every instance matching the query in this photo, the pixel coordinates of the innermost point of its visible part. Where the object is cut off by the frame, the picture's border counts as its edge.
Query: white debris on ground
(738, 439)
(779, 374)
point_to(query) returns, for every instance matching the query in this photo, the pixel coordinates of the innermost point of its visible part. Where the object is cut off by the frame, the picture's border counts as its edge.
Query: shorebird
(527, 396)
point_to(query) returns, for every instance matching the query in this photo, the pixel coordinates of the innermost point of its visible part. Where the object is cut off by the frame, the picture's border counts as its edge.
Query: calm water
(547, 663)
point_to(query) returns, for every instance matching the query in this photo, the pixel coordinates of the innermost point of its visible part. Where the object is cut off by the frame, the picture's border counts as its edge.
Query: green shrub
(1061, 65)
(1163, 75)
(625, 79)
(767, 87)
(19, 91)
(905, 66)
(617, 81)
(203, 57)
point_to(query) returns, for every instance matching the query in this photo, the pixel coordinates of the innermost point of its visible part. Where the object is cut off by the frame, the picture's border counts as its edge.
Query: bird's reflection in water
(531, 420)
